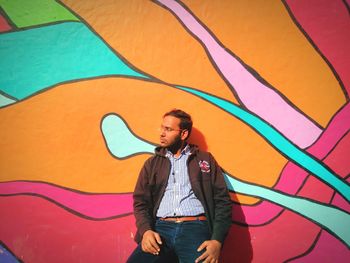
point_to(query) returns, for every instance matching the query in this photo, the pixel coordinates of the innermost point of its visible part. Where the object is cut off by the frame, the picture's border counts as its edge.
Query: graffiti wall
(84, 85)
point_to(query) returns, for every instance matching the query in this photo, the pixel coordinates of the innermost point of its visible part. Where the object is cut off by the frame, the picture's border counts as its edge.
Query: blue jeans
(180, 242)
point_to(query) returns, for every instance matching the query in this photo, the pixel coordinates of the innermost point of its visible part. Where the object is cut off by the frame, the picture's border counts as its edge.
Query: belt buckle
(178, 220)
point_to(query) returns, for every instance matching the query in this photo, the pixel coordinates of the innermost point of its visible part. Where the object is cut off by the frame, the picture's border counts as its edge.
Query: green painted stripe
(25, 13)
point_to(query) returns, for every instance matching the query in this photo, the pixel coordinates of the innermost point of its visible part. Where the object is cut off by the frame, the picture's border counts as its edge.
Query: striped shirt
(179, 198)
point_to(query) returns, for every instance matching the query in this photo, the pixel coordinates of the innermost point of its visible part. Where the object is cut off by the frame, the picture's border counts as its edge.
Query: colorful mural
(83, 87)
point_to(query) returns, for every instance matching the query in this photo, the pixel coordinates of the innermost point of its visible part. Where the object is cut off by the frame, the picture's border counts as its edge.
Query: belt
(183, 218)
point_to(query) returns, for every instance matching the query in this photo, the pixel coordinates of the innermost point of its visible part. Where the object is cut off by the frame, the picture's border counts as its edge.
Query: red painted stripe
(327, 23)
(4, 25)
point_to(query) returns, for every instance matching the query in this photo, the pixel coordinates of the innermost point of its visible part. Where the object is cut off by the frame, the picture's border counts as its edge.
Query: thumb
(157, 236)
(203, 245)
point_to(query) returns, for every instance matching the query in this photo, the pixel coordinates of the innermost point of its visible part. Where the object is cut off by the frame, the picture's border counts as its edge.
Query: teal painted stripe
(280, 142)
(5, 101)
(121, 142)
(35, 59)
(333, 219)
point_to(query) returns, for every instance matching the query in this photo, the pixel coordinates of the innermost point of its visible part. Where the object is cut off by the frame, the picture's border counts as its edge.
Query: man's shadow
(237, 246)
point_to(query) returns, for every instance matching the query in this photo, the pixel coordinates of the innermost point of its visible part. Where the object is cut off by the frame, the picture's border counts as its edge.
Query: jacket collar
(161, 151)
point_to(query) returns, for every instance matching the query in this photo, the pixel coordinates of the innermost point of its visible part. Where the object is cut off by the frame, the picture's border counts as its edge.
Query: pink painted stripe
(252, 93)
(292, 176)
(327, 23)
(95, 206)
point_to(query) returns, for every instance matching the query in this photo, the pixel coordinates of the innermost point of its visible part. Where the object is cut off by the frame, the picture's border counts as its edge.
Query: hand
(150, 241)
(212, 252)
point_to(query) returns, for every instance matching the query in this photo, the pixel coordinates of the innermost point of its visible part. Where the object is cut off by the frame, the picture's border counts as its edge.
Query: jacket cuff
(143, 228)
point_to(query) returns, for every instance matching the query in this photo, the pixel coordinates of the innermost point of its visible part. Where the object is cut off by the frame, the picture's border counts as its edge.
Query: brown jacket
(208, 185)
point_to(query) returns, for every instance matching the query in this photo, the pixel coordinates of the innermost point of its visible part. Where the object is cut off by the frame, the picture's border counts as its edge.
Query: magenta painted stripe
(328, 248)
(328, 25)
(96, 206)
(292, 176)
(253, 94)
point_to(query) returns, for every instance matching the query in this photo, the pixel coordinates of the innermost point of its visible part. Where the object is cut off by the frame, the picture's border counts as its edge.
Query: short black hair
(185, 119)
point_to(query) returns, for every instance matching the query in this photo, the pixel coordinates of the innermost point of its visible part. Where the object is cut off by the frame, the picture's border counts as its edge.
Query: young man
(181, 203)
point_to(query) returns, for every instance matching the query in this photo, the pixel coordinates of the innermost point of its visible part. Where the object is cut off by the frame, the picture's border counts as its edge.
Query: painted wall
(84, 85)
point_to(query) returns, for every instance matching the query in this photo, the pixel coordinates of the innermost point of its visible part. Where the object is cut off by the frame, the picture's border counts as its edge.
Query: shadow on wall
(237, 246)
(198, 139)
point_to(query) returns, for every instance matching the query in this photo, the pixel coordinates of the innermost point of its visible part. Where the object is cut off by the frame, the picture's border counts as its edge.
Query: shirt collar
(185, 151)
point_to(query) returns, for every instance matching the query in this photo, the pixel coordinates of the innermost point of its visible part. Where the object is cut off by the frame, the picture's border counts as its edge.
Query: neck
(177, 148)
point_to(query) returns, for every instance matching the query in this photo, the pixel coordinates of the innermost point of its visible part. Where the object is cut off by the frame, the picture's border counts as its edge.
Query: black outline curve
(151, 78)
(312, 43)
(311, 156)
(16, 28)
(251, 70)
(306, 218)
(346, 5)
(330, 152)
(75, 213)
(304, 181)
(308, 250)
(130, 130)
(177, 88)
(329, 203)
(108, 46)
(2, 93)
(246, 66)
(77, 80)
(8, 20)
(65, 188)
(321, 230)
(21, 29)
(10, 251)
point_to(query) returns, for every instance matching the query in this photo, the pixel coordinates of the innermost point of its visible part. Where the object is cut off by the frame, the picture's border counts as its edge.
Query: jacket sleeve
(142, 201)
(222, 203)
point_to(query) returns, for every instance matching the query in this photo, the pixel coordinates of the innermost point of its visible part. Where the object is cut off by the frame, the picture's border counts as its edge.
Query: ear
(184, 134)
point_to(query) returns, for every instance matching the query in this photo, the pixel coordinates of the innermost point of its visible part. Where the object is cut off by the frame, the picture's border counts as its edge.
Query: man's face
(170, 132)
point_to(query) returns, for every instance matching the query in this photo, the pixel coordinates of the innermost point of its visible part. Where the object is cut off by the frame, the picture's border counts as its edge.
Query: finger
(158, 239)
(147, 246)
(201, 257)
(154, 244)
(151, 249)
(203, 245)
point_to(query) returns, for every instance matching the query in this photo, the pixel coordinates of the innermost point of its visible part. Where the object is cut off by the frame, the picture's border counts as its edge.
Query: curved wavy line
(6, 255)
(98, 206)
(293, 176)
(324, 239)
(5, 100)
(278, 141)
(324, 45)
(120, 140)
(103, 206)
(311, 210)
(252, 92)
